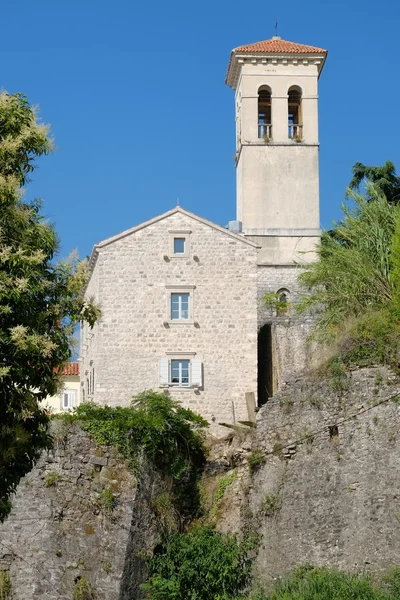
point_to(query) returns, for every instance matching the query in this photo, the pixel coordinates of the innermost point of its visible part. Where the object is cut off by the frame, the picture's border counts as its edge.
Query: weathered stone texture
(337, 496)
(60, 529)
(294, 354)
(129, 282)
(335, 492)
(273, 279)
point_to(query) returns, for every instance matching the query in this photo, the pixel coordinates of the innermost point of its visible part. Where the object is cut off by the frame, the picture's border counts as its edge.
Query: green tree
(40, 301)
(354, 288)
(384, 178)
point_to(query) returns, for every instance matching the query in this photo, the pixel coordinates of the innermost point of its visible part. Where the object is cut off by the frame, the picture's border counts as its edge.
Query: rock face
(326, 488)
(64, 526)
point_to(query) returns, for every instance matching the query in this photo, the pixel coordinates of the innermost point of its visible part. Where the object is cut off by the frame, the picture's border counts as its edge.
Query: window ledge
(185, 388)
(179, 287)
(180, 322)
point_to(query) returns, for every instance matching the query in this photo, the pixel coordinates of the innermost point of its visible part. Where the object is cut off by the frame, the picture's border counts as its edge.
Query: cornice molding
(239, 59)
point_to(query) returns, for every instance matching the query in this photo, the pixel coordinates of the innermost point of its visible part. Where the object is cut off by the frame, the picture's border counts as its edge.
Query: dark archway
(265, 364)
(295, 118)
(264, 112)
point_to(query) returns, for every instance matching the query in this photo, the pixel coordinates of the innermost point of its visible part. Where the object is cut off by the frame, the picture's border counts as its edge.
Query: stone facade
(132, 279)
(292, 351)
(133, 275)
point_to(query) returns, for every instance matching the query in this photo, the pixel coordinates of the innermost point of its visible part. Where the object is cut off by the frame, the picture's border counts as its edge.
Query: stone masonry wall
(130, 283)
(326, 490)
(293, 352)
(60, 528)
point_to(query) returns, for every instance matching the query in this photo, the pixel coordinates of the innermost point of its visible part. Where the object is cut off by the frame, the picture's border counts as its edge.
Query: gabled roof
(177, 209)
(274, 47)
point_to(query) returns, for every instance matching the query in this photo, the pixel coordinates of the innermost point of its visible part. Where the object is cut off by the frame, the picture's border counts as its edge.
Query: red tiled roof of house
(70, 368)
(277, 45)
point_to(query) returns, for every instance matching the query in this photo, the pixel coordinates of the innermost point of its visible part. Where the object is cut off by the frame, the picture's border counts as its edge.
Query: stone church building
(182, 298)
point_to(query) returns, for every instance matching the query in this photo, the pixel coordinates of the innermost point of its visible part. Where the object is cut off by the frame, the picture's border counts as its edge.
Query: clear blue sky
(136, 98)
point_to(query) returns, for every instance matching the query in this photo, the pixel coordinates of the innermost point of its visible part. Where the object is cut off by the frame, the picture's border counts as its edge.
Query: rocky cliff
(317, 481)
(323, 485)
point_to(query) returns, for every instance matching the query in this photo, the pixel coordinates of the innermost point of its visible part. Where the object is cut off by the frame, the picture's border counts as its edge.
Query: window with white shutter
(164, 372)
(181, 371)
(197, 372)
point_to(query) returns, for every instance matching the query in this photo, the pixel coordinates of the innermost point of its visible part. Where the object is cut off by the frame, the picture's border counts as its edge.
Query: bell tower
(276, 85)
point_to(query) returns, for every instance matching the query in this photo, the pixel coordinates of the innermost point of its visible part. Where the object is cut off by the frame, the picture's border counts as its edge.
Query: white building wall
(278, 187)
(278, 179)
(54, 404)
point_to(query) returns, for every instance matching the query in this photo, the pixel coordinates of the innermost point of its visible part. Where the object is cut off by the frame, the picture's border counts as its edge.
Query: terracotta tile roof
(274, 46)
(277, 45)
(70, 368)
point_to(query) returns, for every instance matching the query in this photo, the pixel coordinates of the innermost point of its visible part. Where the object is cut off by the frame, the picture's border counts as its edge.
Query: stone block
(100, 461)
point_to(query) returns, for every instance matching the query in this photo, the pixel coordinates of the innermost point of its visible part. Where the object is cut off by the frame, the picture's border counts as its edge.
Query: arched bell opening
(264, 113)
(295, 121)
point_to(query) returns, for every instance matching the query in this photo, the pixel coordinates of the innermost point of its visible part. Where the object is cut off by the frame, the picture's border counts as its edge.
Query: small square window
(180, 306)
(180, 372)
(179, 245)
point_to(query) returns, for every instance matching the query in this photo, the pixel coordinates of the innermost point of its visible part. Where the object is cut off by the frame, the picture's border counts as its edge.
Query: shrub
(276, 302)
(309, 583)
(199, 564)
(337, 372)
(156, 426)
(373, 339)
(355, 286)
(107, 566)
(224, 482)
(271, 504)
(168, 434)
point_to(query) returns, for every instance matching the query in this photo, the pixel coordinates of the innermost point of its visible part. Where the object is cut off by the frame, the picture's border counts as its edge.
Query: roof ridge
(277, 44)
(160, 217)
